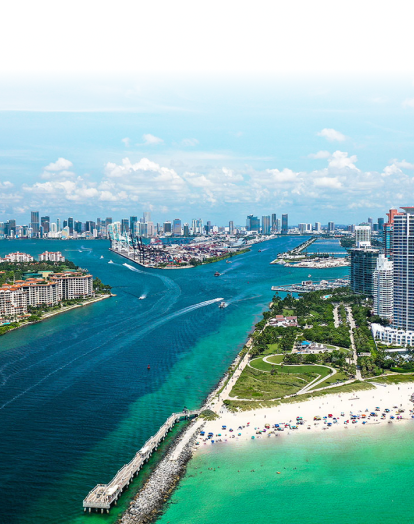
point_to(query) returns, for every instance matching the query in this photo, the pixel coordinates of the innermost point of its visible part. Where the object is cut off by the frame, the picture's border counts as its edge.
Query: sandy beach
(370, 407)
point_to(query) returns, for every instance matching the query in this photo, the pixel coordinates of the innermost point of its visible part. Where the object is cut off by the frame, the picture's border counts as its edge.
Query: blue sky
(318, 126)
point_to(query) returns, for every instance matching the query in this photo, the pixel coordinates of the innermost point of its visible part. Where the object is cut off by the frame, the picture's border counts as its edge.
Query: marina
(308, 285)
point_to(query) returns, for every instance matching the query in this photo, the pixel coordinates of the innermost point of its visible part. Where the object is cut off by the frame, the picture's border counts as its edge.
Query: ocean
(76, 398)
(364, 476)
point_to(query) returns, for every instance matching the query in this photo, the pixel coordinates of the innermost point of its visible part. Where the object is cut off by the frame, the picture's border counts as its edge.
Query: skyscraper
(387, 233)
(132, 222)
(274, 223)
(363, 264)
(383, 288)
(124, 226)
(380, 224)
(45, 222)
(147, 216)
(167, 228)
(403, 257)
(177, 227)
(34, 223)
(331, 227)
(285, 224)
(370, 222)
(266, 225)
(362, 236)
(70, 225)
(231, 227)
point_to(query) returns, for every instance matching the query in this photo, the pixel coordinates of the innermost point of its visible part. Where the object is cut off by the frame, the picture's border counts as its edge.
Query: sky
(206, 109)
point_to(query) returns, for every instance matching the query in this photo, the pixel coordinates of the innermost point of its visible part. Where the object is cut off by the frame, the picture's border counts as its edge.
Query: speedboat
(222, 305)
(142, 297)
(217, 274)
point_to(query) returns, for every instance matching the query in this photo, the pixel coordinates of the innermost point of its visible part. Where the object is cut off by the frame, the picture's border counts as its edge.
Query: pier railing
(102, 496)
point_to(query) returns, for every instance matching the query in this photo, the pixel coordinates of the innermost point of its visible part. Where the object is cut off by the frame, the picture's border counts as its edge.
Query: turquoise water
(76, 399)
(364, 476)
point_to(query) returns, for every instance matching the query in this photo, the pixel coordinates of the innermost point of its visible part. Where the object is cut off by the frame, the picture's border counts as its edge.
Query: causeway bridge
(104, 495)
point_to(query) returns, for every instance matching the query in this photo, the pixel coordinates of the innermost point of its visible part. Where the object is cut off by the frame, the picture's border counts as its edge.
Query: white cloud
(5, 185)
(151, 140)
(189, 142)
(341, 160)
(403, 164)
(59, 165)
(409, 102)
(320, 154)
(126, 141)
(332, 135)
(331, 183)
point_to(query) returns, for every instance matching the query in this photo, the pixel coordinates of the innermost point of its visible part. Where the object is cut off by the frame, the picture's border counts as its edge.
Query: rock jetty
(148, 503)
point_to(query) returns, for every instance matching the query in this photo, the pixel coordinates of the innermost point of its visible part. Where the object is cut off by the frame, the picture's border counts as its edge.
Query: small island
(31, 291)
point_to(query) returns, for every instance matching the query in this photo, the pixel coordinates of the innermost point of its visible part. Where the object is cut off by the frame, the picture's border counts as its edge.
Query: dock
(307, 285)
(104, 495)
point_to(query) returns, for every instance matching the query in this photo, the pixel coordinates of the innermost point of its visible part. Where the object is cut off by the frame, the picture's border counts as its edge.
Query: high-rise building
(278, 225)
(370, 222)
(34, 223)
(231, 227)
(186, 230)
(124, 226)
(318, 227)
(70, 225)
(177, 227)
(362, 236)
(383, 288)
(132, 222)
(285, 224)
(167, 228)
(253, 223)
(363, 264)
(302, 228)
(147, 216)
(380, 224)
(58, 224)
(331, 227)
(403, 258)
(274, 223)
(45, 222)
(266, 225)
(388, 233)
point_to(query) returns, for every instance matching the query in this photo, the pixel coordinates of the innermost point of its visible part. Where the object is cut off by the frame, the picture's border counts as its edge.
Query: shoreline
(230, 255)
(50, 314)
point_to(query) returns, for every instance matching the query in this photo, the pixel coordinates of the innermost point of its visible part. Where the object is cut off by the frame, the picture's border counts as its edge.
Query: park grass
(393, 379)
(240, 405)
(332, 379)
(288, 312)
(271, 350)
(276, 360)
(254, 384)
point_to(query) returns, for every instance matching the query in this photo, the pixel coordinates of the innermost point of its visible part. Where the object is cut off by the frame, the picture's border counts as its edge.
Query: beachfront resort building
(282, 321)
(392, 336)
(383, 279)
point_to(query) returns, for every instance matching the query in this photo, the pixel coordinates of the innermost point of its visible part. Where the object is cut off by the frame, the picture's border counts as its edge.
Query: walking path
(352, 326)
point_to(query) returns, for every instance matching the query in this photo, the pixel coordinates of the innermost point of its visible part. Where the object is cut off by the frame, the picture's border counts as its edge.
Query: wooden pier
(104, 495)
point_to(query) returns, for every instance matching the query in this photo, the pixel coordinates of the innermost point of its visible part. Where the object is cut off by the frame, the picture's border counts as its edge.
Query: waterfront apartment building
(403, 258)
(252, 223)
(266, 225)
(383, 279)
(73, 285)
(363, 265)
(52, 256)
(331, 227)
(285, 224)
(362, 236)
(17, 257)
(274, 223)
(39, 292)
(13, 301)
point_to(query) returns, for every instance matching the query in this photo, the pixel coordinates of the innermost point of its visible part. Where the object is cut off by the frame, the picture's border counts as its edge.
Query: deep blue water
(76, 398)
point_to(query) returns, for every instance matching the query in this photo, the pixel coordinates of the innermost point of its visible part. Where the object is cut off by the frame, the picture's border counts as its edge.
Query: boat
(217, 274)
(228, 262)
(101, 256)
(222, 305)
(142, 297)
(148, 367)
(259, 251)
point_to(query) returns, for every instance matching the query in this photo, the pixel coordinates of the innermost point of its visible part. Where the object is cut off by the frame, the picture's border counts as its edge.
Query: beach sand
(392, 397)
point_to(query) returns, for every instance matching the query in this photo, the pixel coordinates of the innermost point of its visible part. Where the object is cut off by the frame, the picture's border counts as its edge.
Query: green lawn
(254, 384)
(331, 380)
(288, 312)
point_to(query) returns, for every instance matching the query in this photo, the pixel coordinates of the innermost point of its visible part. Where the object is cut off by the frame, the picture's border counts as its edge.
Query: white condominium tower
(383, 288)
(362, 236)
(403, 244)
